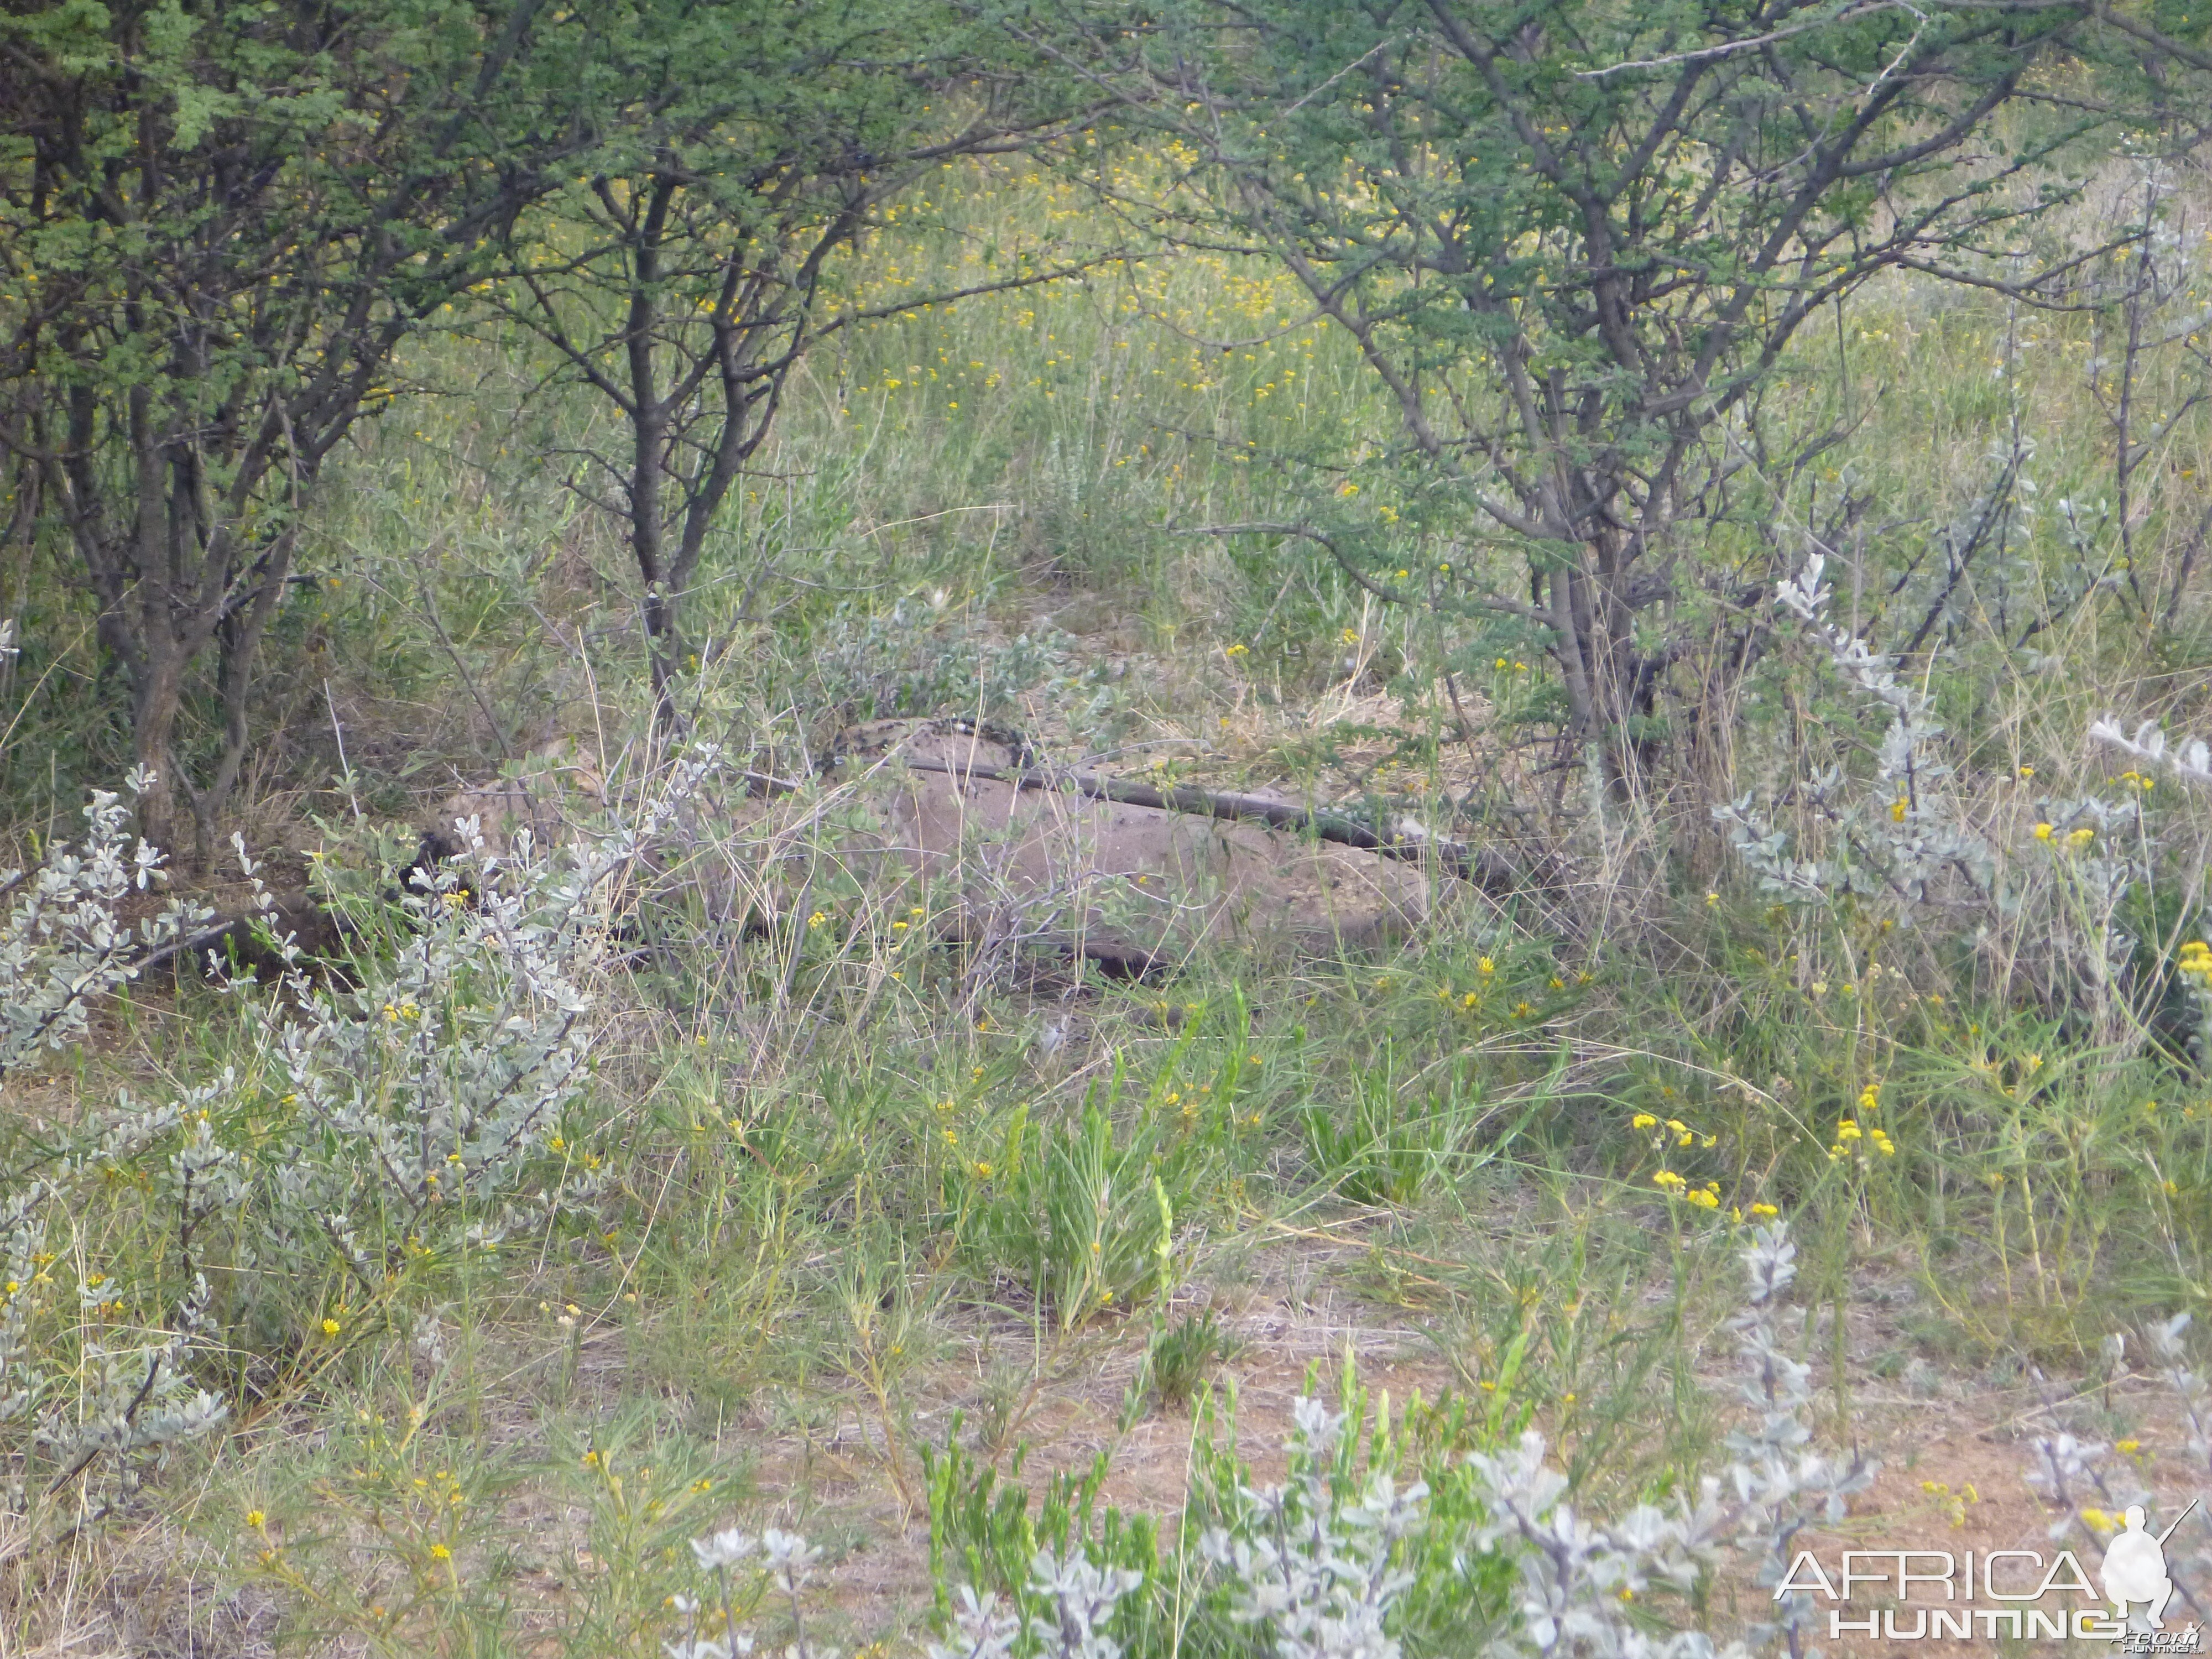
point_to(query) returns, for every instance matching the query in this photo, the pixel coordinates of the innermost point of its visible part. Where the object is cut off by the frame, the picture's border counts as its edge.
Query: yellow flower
(1847, 1131)
(2042, 832)
(1898, 810)
(1642, 1121)
(1759, 1211)
(1484, 966)
(2125, 1446)
(256, 1520)
(440, 1553)
(1669, 1181)
(329, 1327)
(2081, 837)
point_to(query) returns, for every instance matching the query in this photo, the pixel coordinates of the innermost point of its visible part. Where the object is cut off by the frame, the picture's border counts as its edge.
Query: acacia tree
(680, 275)
(217, 221)
(1573, 239)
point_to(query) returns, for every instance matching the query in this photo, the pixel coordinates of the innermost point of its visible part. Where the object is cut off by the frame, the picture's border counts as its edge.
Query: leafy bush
(1179, 1357)
(62, 946)
(1392, 1142)
(981, 1530)
(371, 1137)
(913, 659)
(81, 1391)
(1082, 1211)
(1081, 1215)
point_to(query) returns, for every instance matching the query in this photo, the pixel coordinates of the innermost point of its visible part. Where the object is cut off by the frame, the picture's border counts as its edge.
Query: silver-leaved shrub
(376, 1126)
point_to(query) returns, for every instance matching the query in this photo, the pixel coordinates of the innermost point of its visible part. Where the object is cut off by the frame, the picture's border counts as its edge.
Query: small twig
(345, 766)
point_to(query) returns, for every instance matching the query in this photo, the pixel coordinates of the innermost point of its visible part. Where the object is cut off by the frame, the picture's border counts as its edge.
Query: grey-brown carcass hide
(904, 821)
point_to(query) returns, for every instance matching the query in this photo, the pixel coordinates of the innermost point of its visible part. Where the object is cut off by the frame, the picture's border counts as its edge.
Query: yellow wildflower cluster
(1849, 1136)
(1673, 1129)
(1707, 1197)
(1954, 1503)
(2195, 964)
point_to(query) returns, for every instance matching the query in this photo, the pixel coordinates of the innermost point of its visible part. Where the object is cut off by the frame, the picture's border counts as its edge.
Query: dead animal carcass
(1029, 859)
(927, 815)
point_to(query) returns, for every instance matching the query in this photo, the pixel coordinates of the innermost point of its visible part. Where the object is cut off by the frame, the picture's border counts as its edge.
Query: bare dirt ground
(1953, 1451)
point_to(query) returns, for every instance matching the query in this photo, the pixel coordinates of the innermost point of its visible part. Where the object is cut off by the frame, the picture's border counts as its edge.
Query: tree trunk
(154, 723)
